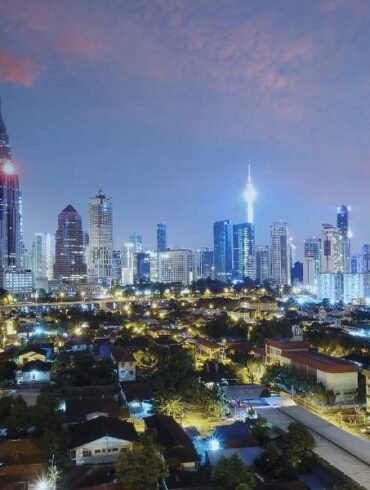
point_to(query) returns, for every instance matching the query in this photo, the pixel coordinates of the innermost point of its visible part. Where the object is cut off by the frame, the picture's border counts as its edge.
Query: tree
(273, 463)
(7, 373)
(300, 445)
(260, 430)
(252, 372)
(228, 473)
(141, 467)
(170, 405)
(48, 422)
(15, 415)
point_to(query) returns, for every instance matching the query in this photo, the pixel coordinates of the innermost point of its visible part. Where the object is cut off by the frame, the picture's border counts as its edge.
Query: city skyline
(159, 130)
(342, 226)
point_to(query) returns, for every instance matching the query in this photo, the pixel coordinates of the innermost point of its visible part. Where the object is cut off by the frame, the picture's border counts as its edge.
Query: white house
(125, 363)
(99, 440)
(34, 372)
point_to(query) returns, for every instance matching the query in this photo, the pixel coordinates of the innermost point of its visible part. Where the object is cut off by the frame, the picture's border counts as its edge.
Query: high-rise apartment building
(311, 263)
(69, 246)
(331, 249)
(223, 249)
(262, 261)
(43, 250)
(177, 266)
(243, 251)
(100, 239)
(344, 230)
(10, 207)
(161, 237)
(280, 254)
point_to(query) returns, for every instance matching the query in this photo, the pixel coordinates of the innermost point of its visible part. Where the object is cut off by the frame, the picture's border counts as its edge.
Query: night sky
(163, 103)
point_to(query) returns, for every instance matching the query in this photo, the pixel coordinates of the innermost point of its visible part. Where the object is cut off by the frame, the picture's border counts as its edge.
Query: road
(344, 451)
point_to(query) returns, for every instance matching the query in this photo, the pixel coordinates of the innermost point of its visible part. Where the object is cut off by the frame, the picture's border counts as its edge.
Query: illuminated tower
(250, 196)
(10, 207)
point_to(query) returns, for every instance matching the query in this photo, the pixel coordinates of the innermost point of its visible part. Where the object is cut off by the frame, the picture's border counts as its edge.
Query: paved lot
(348, 453)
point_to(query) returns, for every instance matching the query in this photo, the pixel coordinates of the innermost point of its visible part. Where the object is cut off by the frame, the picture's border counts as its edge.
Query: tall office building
(128, 263)
(142, 271)
(262, 261)
(116, 266)
(177, 266)
(161, 237)
(280, 254)
(345, 233)
(43, 248)
(331, 250)
(365, 258)
(243, 250)
(100, 239)
(223, 249)
(205, 263)
(69, 246)
(311, 263)
(10, 207)
(137, 241)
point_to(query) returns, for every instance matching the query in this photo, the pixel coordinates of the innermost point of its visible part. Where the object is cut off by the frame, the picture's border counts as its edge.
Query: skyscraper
(205, 263)
(10, 207)
(137, 241)
(142, 267)
(100, 239)
(262, 261)
(69, 246)
(161, 237)
(250, 196)
(311, 263)
(223, 249)
(331, 249)
(280, 254)
(345, 233)
(43, 249)
(243, 250)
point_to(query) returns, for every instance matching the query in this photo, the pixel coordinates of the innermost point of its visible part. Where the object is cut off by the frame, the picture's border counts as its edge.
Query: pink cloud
(17, 69)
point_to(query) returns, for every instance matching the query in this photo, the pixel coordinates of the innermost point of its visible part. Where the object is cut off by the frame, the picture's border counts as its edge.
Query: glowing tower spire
(250, 196)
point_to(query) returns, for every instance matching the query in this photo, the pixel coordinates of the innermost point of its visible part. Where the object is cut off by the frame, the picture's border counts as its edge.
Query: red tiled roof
(321, 362)
(286, 344)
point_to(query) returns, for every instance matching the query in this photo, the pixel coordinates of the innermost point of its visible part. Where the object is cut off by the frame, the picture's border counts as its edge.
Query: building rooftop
(121, 354)
(99, 427)
(170, 435)
(321, 362)
(286, 344)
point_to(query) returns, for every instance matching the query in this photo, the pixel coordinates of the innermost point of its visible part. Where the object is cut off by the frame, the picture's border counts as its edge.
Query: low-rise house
(21, 464)
(212, 350)
(34, 372)
(179, 451)
(125, 363)
(31, 354)
(78, 344)
(78, 411)
(100, 440)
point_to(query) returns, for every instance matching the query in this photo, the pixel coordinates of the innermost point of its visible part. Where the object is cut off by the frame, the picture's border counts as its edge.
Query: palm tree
(170, 405)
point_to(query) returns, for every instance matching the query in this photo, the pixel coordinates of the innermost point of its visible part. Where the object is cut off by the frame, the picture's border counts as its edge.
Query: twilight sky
(163, 102)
